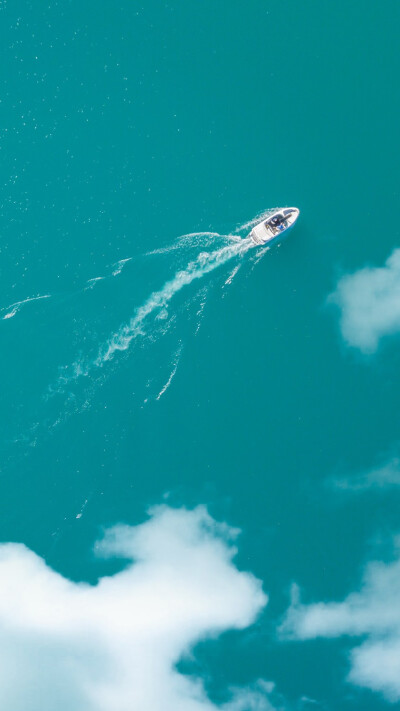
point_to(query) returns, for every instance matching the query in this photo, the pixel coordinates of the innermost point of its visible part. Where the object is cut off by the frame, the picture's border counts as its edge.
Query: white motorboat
(273, 227)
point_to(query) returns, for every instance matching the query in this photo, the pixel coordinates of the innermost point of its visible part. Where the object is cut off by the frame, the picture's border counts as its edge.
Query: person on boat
(277, 222)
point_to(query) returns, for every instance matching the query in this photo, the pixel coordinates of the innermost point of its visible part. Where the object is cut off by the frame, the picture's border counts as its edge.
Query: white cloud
(114, 646)
(381, 478)
(372, 614)
(369, 301)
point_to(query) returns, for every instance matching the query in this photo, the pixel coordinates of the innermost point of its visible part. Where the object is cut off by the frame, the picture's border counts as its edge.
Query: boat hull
(275, 226)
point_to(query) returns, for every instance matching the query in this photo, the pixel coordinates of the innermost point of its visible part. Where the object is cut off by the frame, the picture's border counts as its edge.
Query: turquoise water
(141, 366)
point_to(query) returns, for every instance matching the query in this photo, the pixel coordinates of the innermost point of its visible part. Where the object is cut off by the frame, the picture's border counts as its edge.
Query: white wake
(152, 318)
(206, 262)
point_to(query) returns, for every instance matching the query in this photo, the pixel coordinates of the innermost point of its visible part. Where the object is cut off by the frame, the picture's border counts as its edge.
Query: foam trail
(205, 263)
(257, 257)
(116, 269)
(120, 265)
(18, 304)
(200, 311)
(232, 275)
(173, 372)
(92, 282)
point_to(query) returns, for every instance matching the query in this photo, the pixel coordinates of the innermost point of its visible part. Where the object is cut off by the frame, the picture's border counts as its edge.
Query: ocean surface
(152, 357)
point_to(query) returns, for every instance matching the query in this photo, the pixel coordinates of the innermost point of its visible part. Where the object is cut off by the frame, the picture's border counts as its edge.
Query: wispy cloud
(114, 646)
(372, 614)
(380, 478)
(369, 300)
